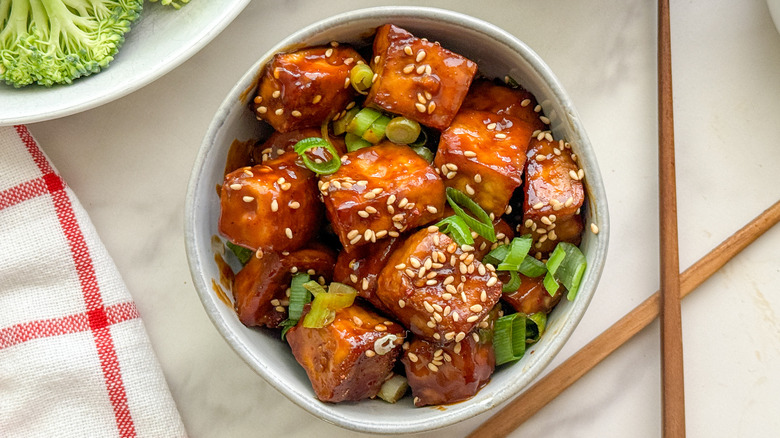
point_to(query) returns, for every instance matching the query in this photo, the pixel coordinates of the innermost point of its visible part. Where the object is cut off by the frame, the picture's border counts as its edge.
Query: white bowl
(498, 54)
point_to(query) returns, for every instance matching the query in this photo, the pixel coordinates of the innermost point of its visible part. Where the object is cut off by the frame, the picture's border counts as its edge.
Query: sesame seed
(476, 308)
(501, 135)
(428, 306)
(470, 154)
(403, 203)
(420, 56)
(548, 136)
(544, 120)
(294, 205)
(428, 69)
(365, 284)
(276, 94)
(369, 195)
(353, 278)
(569, 202)
(421, 98)
(286, 186)
(370, 353)
(525, 102)
(408, 50)
(393, 233)
(412, 357)
(492, 281)
(259, 253)
(279, 309)
(431, 107)
(362, 214)
(431, 324)
(356, 239)
(472, 318)
(594, 228)
(581, 173)
(236, 186)
(483, 296)
(401, 303)
(459, 337)
(279, 112)
(316, 99)
(380, 328)
(262, 110)
(349, 61)
(433, 367)
(374, 78)
(328, 53)
(368, 235)
(538, 206)
(470, 190)
(408, 69)
(277, 72)
(248, 198)
(420, 107)
(288, 232)
(552, 236)
(537, 108)
(346, 82)
(296, 113)
(420, 69)
(451, 175)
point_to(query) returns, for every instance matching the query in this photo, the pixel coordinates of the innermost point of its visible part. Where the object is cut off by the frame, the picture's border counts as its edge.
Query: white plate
(159, 41)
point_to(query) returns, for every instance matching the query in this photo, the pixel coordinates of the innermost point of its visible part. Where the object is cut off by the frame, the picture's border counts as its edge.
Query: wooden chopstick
(672, 382)
(556, 381)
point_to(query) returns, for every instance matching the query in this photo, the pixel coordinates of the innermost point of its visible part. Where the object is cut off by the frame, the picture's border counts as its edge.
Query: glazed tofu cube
(271, 207)
(361, 267)
(351, 357)
(379, 192)
(553, 195)
(442, 374)
(504, 235)
(437, 289)
(503, 100)
(482, 154)
(260, 288)
(301, 89)
(417, 78)
(531, 297)
(281, 142)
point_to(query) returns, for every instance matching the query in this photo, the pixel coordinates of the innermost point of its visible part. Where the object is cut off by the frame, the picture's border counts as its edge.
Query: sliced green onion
(314, 287)
(325, 304)
(361, 76)
(497, 255)
(534, 327)
(550, 283)
(340, 124)
(393, 389)
(325, 168)
(456, 228)
(299, 296)
(532, 267)
(401, 130)
(422, 139)
(509, 338)
(376, 132)
(286, 325)
(424, 152)
(242, 254)
(514, 283)
(355, 142)
(482, 224)
(518, 250)
(571, 270)
(362, 121)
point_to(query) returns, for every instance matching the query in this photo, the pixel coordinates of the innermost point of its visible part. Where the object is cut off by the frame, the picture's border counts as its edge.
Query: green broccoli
(55, 41)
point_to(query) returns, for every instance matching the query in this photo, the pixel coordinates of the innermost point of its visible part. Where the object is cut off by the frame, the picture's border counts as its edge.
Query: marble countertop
(129, 162)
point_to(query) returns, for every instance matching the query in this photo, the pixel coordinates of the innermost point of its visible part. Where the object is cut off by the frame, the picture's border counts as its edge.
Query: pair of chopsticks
(665, 302)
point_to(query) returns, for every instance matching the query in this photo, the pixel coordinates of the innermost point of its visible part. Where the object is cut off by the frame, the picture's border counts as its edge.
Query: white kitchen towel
(75, 359)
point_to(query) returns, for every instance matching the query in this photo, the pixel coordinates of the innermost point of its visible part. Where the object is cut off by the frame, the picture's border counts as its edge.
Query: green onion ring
(571, 270)
(456, 228)
(362, 121)
(325, 168)
(299, 296)
(325, 304)
(518, 250)
(361, 76)
(514, 283)
(376, 132)
(550, 283)
(401, 130)
(424, 152)
(482, 224)
(509, 338)
(355, 142)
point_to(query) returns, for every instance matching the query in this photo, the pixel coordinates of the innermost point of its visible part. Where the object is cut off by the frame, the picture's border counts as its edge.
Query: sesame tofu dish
(408, 224)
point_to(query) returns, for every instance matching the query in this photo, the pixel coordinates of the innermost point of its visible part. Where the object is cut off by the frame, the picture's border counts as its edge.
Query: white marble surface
(129, 161)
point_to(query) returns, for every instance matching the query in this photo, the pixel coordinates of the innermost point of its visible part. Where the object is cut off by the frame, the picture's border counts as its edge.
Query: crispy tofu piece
(482, 154)
(259, 289)
(437, 289)
(272, 207)
(361, 267)
(503, 100)
(554, 194)
(442, 374)
(281, 142)
(301, 89)
(417, 78)
(531, 297)
(351, 357)
(379, 192)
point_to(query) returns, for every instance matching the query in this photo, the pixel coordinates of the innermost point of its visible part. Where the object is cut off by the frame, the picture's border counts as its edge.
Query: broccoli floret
(55, 41)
